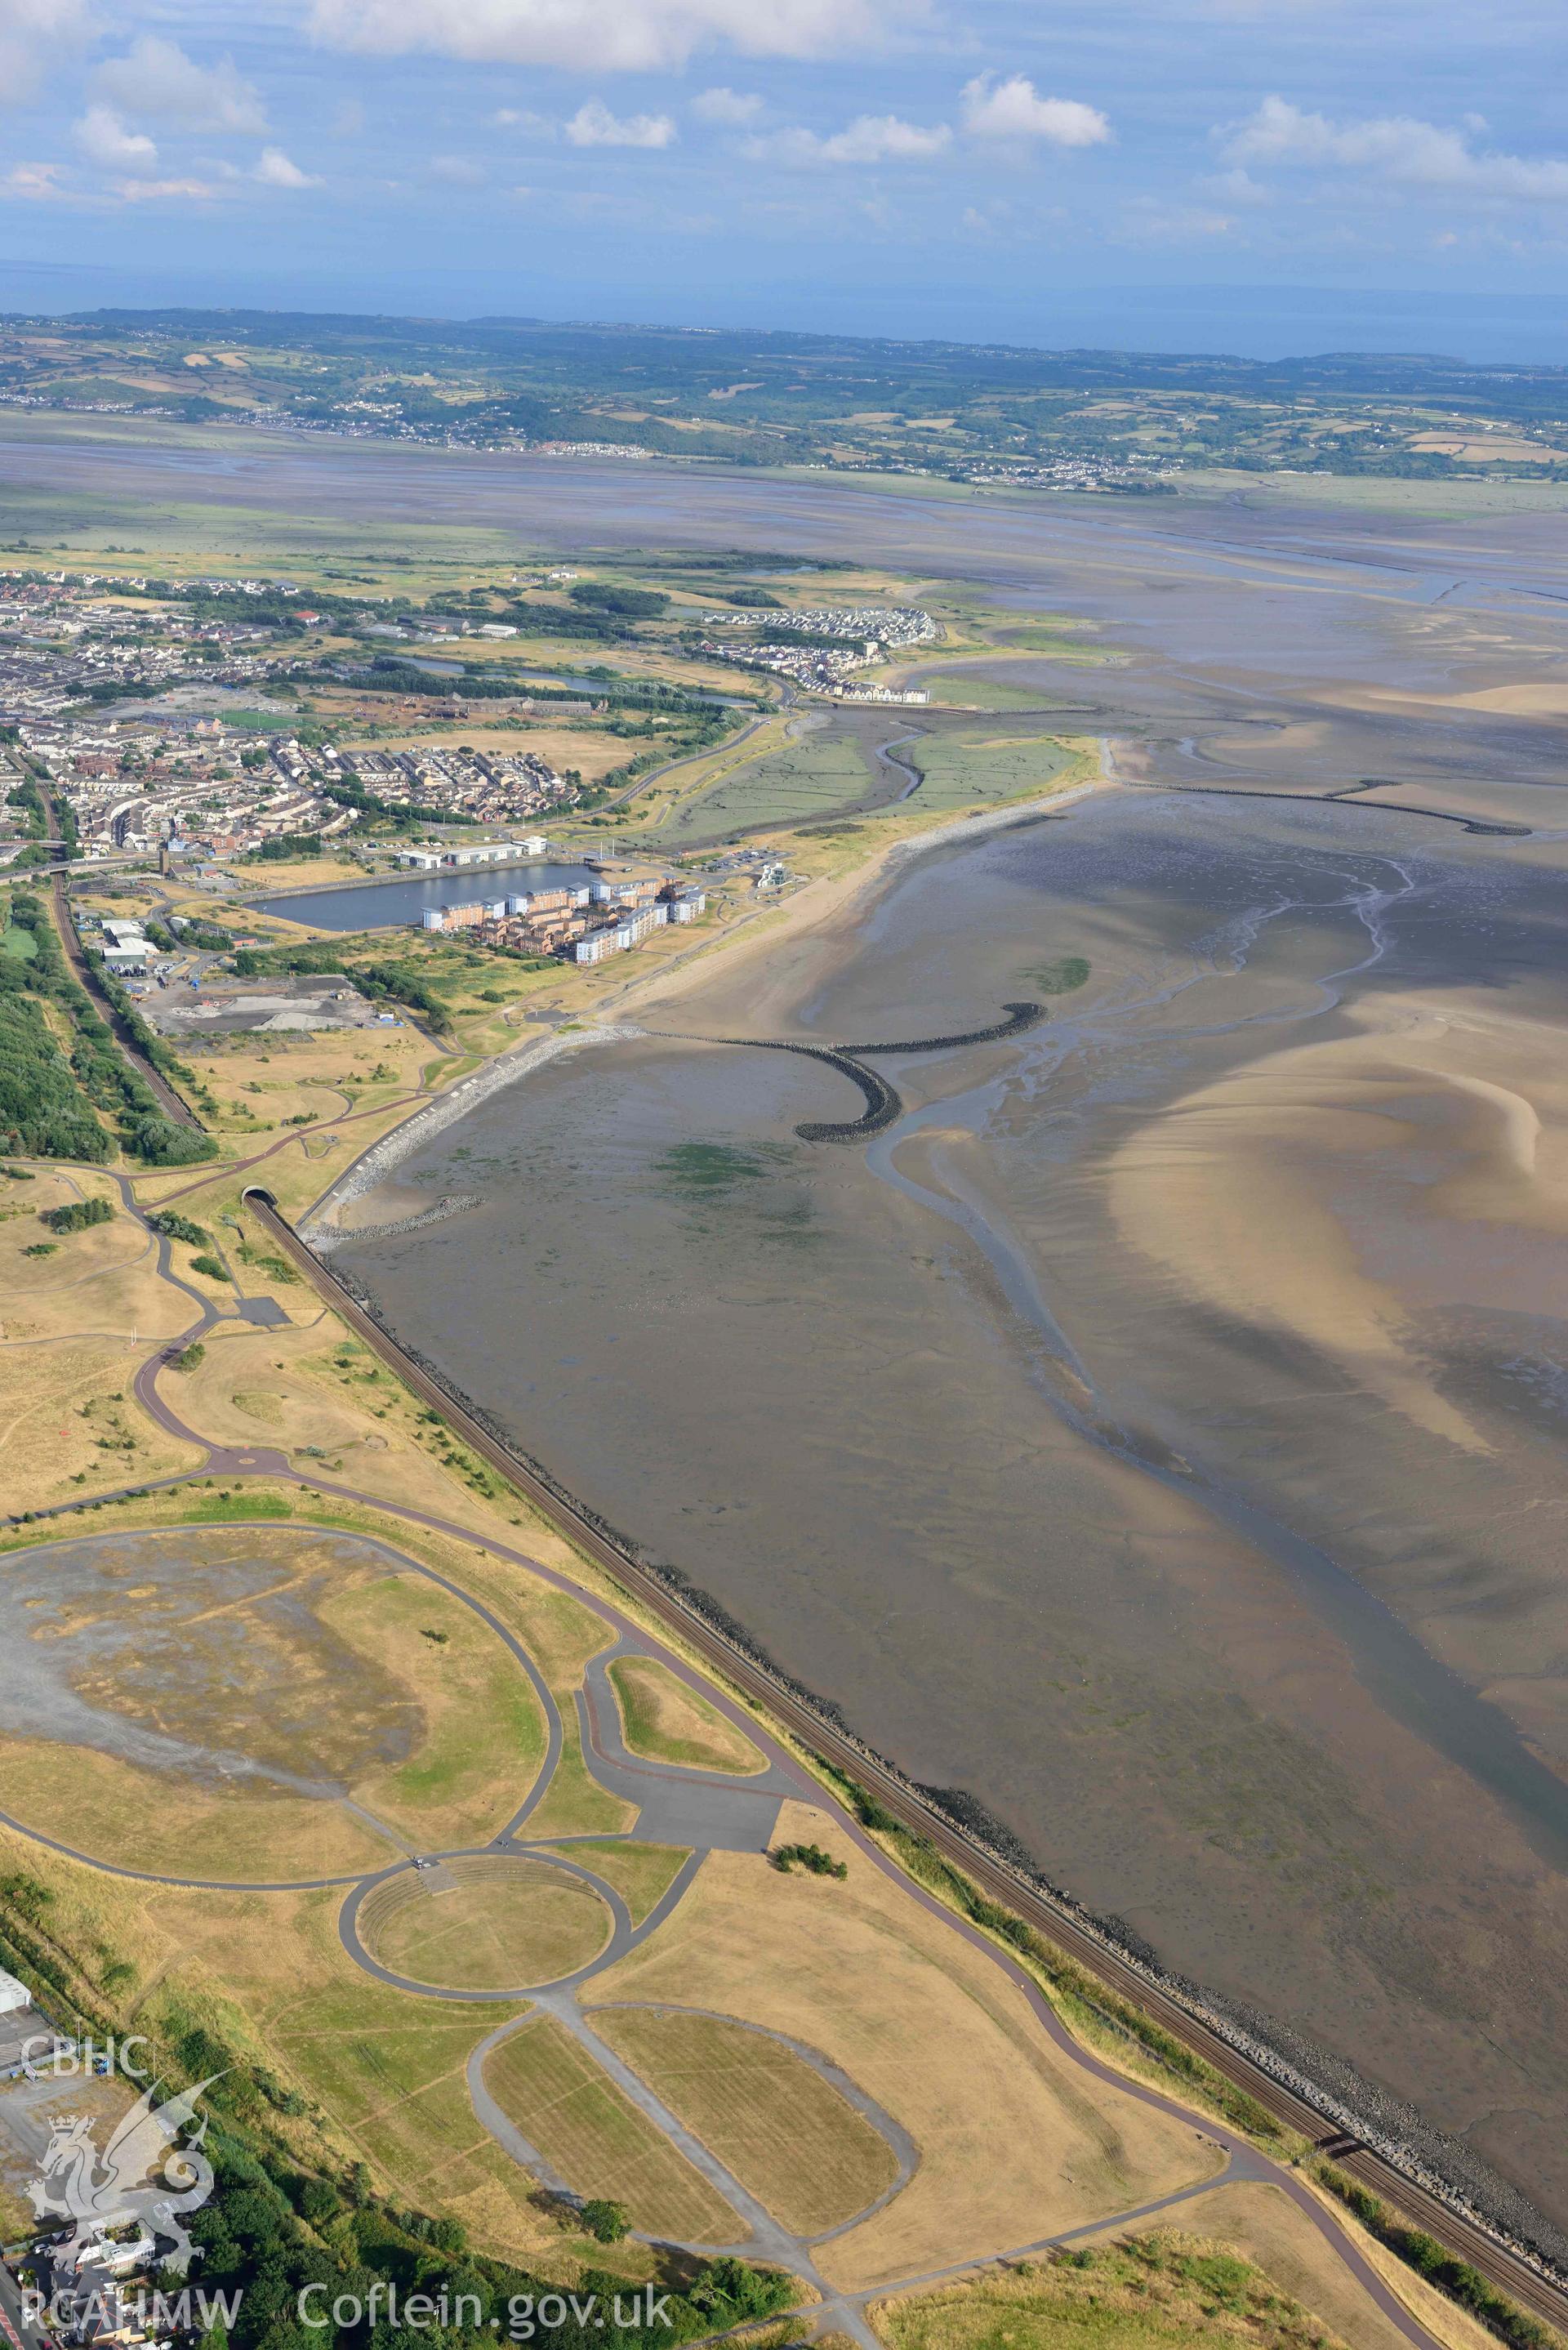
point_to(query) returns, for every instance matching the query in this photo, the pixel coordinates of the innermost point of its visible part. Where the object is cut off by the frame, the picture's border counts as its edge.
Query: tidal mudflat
(1159, 1431)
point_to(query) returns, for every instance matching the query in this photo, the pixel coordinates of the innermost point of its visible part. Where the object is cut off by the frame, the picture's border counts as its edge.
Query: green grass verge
(644, 1690)
(641, 1873)
(1451, 2276)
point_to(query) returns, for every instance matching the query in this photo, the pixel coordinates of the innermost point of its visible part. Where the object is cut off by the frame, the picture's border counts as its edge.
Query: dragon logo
(143, 2177)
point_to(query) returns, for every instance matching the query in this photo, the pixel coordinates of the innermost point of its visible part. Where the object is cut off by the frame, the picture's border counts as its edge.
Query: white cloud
(457, 170)
(1015, 109)
(145, 192)
(734, 107)
(274, 169)
(157, 81)
(594, 125)
(33, 183)
(1236, 186)
(33, 33)
(1397, 147)
(106, 140)
(606, 36)
(869, 138)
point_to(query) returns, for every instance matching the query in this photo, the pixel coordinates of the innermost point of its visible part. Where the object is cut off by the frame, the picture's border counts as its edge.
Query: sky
(1258, 176)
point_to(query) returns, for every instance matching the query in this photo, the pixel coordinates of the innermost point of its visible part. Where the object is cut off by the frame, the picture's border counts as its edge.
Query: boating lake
(387, 905)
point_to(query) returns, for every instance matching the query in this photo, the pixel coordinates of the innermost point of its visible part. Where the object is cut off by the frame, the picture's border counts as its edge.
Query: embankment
(883, 1101)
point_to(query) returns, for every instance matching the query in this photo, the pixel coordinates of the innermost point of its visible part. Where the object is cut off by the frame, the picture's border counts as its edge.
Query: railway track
(171, 1102)
(1510, 2272)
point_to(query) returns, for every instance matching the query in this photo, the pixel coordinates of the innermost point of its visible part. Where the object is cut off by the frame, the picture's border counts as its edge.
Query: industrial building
(481, 852)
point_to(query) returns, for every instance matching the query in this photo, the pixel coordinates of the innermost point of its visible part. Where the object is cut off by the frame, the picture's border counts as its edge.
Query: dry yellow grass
(576, 1803)
(334, 1072)
(282, 1387)
(562, 1633)
(483, 1734)
(323, 1061)
(1489, 448)
(485, 1925)
(598, 2141)
(70, 1425)
(1015, 2142)
(244, 1115)
(103, 1280)
(44, 1186)
(475, 1731)
(261, 1405)
(641, 1873)
(1262, 2224)
(802, 2150)
(668, 1723)
(268, 1974)
(121, 1813)
(303, 873)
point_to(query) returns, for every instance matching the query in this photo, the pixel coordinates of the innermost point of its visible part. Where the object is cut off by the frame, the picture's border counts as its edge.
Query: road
(18, 2330)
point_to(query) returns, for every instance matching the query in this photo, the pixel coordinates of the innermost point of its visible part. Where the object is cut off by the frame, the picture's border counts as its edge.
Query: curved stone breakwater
(1345, 796)
(883, 1102)
(883, 1105)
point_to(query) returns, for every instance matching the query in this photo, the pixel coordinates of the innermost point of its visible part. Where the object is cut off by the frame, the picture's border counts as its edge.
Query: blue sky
(1250, 175)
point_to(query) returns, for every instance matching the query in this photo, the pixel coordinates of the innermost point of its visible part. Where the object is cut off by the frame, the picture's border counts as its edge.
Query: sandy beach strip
(769, 928)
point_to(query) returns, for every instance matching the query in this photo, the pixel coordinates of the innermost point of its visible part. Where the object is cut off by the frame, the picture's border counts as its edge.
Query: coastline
(813, 906)
(374, 1165)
